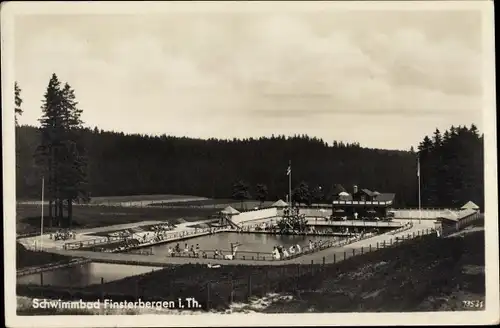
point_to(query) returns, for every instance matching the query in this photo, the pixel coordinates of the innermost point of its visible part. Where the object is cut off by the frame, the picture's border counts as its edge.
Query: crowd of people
(63, 235)
(290, 211)
(161, 227)
(186, 251)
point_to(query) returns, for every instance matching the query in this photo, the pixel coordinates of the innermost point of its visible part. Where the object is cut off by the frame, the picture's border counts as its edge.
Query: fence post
(334, 258)
(361, 249)
(41, 278)
(249, 286)
(370, 247)
(390, 241)
(232, 292)
(323, 260)
(353, 251)
(384, 244)
(267, 280)
(208, 295)
(377, 244)
(102, 289)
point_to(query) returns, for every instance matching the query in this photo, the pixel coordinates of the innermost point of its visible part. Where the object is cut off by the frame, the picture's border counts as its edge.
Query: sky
(384, 79)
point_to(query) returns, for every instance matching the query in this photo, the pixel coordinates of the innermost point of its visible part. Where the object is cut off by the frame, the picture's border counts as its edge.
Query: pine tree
(425, 153)
(241, 192)
(74, 178)
(61, 155)
(18, 101)
(453, 168)
(51, 137)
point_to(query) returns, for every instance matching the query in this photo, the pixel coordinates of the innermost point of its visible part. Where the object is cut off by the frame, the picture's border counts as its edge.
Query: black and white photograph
(249, 163)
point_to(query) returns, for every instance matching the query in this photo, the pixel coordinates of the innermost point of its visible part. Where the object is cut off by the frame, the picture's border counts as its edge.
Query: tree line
(452, 167)
(79, 162)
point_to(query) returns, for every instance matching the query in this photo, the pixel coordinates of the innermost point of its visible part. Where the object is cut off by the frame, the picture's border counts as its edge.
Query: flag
(418, 167)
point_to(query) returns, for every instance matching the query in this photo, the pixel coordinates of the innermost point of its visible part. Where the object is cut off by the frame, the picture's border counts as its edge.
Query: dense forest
(452, 167)
(120, 164)
(113, 163)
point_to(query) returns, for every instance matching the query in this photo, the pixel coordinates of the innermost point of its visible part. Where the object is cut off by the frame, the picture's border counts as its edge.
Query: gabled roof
(470, 206)
(466, 212)
(448, 215)
(229, 210)
(385, 197)
(280, 203)
(367, 192)
(337, 189)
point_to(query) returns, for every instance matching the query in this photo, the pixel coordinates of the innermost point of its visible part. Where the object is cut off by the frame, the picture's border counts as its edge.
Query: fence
(51, 266)
(424, 214)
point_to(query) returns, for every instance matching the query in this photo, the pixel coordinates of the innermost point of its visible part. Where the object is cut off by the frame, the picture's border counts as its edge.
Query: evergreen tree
(317, 194)
(60, 154)
(301, 194)
(74, 176)
(261, 193)
(241, 192)
(50, 145)
(18, 101)
(454, 167)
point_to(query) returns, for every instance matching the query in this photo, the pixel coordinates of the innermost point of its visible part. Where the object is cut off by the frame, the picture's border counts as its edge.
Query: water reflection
(85, 274)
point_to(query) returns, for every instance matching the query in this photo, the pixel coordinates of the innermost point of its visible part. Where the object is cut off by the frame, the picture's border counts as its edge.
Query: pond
(249, 242)
(85, 274)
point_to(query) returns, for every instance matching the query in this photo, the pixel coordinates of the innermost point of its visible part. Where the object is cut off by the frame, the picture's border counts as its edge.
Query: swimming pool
(248, 242)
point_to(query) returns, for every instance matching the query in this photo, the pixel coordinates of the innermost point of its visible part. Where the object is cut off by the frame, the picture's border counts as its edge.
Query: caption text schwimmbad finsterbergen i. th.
(180, 303)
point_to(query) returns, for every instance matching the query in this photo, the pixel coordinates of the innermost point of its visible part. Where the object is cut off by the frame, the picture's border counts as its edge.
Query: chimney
(355, 190)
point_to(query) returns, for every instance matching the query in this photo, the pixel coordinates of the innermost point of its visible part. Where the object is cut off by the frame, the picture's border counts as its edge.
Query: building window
(363, 198)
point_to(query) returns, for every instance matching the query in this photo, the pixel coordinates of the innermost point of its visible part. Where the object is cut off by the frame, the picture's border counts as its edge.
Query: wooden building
(362, 204)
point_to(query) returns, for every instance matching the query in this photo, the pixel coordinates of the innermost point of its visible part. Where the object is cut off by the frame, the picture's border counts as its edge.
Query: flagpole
(290, 183)
(41, 220)
(419, 194)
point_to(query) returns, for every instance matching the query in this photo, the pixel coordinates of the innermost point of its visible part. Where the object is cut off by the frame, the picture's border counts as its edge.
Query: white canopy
(280, 203)
(470, 206)
(230, 210)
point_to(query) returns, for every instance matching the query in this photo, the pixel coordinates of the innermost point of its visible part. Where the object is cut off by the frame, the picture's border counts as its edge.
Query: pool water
(249, 242)
(85, 274)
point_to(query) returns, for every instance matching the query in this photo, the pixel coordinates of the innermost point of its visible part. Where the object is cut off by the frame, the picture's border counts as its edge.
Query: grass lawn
(28, 216)
(217, 203)
(428, 274)
(138, 198)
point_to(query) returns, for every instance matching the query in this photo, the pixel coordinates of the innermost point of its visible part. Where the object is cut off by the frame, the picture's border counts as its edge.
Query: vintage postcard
(249, 163)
